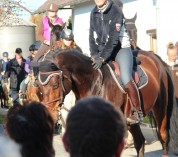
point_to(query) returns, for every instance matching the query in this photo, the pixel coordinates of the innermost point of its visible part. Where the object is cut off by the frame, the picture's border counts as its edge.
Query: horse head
(54, 85)
(131, 27)
(56, 30)
(57, 83)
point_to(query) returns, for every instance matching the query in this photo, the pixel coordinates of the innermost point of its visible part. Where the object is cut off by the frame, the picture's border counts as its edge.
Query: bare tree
(10, 10)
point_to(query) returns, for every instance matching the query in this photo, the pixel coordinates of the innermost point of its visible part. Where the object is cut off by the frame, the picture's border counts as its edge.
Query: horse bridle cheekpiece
(47, 70)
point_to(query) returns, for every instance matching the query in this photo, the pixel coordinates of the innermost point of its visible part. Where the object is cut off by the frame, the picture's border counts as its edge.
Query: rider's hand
(46, 42)
(94, 57)
(97, 62)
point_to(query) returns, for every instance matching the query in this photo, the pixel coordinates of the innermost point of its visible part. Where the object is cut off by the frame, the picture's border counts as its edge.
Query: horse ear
(135, 17)
(63, 25)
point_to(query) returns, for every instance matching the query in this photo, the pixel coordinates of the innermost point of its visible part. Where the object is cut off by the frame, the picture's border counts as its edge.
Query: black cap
(18, 50)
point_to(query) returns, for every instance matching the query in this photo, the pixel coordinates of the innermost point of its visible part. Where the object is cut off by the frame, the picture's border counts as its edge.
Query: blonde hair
(171, 46)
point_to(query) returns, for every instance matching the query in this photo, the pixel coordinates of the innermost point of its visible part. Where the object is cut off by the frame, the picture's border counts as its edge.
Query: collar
(107, 7)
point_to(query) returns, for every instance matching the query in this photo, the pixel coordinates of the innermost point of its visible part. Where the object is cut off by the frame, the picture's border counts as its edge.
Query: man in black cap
(15, 70)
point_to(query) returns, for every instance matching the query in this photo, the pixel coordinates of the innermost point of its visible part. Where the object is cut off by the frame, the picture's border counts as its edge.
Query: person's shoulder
(116, 9)
(44, 18)
(28, 59)
(23, 59)
(12, 60)
(95, 9)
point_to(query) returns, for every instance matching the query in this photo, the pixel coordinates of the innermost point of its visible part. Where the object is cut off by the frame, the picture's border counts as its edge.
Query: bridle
(62, 91)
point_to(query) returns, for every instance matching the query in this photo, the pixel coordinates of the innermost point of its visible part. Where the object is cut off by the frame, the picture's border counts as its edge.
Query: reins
(99, 89)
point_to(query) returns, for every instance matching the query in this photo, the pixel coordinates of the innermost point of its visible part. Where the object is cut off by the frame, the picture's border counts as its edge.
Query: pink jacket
(47, 28)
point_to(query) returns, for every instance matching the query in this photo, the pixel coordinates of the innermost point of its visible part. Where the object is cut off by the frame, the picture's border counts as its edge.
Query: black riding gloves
(97, 62)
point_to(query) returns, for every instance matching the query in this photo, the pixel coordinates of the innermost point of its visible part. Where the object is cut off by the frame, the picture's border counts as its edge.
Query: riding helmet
(52, 7)
(32, 47)
(5, 54)
(67, 34)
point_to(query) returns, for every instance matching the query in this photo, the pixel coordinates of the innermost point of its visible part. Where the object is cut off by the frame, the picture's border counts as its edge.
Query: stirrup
(22, 96)
(134, 118)
(140, 114)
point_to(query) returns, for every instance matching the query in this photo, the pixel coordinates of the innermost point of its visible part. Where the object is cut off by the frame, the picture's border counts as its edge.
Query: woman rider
(107, 34)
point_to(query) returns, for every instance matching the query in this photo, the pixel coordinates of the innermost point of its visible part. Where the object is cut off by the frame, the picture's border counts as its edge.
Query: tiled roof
(60, 3)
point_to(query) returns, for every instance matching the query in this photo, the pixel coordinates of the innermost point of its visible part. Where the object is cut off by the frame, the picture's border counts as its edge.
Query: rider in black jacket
(15, 70)
(109, 40)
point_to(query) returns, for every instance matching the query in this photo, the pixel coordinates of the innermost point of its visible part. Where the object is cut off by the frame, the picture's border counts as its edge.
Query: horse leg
(161, 120)
(139, 140)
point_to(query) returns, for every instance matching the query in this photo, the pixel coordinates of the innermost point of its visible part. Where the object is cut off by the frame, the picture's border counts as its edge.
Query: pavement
(153, 147)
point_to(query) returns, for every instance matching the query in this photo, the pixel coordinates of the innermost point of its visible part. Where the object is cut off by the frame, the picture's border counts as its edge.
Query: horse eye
(55, 85)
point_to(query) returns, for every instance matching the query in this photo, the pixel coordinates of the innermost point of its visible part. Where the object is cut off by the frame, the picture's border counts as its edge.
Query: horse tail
(152, 121)
(172, 117)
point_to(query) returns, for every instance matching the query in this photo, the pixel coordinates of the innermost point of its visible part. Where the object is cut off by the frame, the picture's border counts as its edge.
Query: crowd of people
(30, 129)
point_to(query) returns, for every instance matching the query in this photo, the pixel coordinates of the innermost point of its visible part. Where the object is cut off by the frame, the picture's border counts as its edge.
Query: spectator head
(18, 53)
(5, 54)
(18, 50)
(171, 52)
(94, 128)
(33, 49)
(31, 126)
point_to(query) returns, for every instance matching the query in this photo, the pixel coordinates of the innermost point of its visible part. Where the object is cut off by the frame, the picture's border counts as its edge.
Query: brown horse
(76, 73)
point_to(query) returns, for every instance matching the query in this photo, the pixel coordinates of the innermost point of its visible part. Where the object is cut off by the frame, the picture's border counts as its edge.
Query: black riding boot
(134, 96)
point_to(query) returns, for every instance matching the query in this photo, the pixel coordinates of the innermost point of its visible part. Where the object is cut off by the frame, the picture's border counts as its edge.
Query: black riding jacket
(104, 31)
(16, 73)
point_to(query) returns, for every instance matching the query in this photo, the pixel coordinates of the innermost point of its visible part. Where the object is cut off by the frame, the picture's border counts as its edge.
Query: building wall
(167, 28)
(65, 14)
(13, 37)
(81, 22)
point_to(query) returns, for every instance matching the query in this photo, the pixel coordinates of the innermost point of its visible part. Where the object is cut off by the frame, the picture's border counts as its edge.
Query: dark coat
(104, 31)
(1, 64)
(16, 73)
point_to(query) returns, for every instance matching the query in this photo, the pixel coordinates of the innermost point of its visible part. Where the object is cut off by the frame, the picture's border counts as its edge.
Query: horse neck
(86, 85)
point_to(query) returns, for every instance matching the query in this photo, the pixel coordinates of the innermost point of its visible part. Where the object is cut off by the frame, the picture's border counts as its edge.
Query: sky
(32, 5)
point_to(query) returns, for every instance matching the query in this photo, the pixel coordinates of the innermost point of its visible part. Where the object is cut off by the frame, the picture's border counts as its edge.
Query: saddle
(139, 75)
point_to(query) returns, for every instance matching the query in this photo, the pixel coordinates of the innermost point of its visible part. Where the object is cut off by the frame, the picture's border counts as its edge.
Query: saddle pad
(142, 82)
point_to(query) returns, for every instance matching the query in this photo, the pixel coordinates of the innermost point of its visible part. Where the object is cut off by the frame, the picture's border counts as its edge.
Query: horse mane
(70, 60)
(75, 53)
